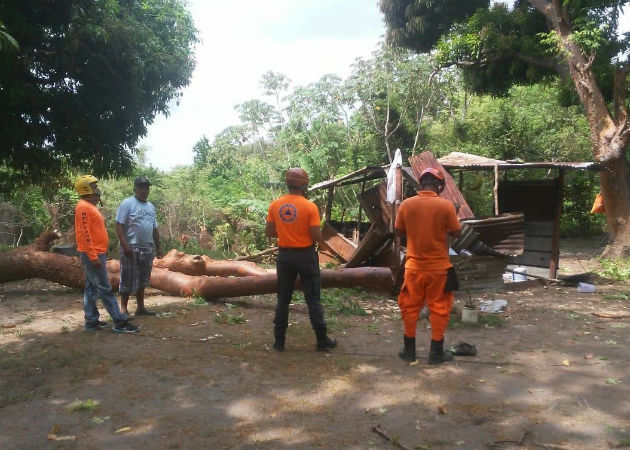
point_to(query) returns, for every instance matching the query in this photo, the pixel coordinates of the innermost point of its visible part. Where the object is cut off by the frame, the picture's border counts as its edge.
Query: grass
(617, 270)
(198, 301)
(230, 319)
(618, 296)
(83, 405)
(342, 301)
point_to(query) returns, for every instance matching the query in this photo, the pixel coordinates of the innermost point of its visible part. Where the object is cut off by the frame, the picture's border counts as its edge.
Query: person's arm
(316, 234)
(122, 215)
(156, 241)
(122, 237)
(85, 236)
(270, 230)
(455, 234)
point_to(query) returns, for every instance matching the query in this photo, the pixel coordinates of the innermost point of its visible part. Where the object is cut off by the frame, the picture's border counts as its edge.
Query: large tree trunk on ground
(29, 262)
(203, 265)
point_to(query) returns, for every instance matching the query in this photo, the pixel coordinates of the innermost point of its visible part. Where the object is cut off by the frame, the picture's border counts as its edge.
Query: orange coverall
(426, 219)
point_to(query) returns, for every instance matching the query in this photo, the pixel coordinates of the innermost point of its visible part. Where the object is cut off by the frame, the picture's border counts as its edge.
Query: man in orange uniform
(427, 219)
(92, 242)
(294, 220)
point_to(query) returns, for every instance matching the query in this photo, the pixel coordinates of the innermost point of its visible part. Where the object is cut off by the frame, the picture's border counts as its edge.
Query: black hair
(431, 180)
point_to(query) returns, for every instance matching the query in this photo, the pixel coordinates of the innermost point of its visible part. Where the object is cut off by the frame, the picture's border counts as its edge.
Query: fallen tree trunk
(177, 261)
(30, 262)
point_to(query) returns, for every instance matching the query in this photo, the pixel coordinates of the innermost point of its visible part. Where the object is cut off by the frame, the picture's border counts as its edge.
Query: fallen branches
(607, 315)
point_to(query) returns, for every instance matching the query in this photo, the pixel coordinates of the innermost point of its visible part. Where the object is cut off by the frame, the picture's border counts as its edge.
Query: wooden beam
(555, 238)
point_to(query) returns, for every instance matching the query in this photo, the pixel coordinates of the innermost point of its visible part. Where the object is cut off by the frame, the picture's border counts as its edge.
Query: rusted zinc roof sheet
(451, 192)
(459, 160)
(504, 234)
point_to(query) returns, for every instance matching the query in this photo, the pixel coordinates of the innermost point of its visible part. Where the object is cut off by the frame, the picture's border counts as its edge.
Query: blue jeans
(97, 285)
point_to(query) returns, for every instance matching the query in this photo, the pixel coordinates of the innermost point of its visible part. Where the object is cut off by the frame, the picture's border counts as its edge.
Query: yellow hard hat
(82, 185)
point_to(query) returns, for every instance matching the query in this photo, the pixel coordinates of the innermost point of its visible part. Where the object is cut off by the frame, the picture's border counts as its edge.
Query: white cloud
(241, 41)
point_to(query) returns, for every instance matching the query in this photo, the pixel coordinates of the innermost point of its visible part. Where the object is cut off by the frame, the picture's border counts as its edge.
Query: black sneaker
(91, 326)
(101, 324)
(125, 327)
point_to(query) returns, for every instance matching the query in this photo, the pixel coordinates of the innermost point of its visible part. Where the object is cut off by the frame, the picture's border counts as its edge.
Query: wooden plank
(426, 159)
(538, 227)
(370, 203)
(534, 259)
(337, 243)
(372, 240)
(538, 243)
(555, 242)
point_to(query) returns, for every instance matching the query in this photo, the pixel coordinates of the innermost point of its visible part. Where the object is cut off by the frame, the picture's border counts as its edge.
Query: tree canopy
(575, 40)
(85, 80)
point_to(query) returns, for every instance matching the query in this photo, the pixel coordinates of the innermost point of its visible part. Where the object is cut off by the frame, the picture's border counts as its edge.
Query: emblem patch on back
(288, 212)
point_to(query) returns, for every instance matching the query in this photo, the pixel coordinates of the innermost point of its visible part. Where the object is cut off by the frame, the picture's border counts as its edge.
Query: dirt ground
(548, 375)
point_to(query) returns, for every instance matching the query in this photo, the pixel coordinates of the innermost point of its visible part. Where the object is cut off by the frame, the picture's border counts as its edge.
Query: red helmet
(435, 172)
(296, 176)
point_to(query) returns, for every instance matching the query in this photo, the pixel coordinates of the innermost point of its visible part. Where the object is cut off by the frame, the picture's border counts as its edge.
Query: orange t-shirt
(293, 215)
(89, 229)
(426, 219)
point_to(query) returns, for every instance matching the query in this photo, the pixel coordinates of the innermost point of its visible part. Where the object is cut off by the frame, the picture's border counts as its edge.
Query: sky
(241, 40)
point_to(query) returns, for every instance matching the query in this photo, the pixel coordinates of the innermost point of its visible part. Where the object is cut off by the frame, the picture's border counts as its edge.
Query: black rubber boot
(324, 343)
(279, 335)
(408, 353)
(437, 355)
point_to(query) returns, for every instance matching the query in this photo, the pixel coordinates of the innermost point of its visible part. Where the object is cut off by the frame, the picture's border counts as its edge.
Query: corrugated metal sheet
(505, 234)
(451, 192)
(459, 160)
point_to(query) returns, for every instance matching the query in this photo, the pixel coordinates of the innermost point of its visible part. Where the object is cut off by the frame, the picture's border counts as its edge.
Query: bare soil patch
(548, 374)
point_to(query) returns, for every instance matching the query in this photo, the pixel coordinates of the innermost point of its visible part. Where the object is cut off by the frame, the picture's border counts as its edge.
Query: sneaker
(91, 326)
(125, 327)
(145, 312)
(101, 324)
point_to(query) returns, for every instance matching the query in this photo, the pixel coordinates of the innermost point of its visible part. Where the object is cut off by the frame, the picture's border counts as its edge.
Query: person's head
(297, 180)
(87, 187)
(141, 188)
(432, 180)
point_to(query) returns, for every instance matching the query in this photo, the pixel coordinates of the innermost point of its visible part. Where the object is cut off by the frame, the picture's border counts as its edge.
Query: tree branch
(620, 93)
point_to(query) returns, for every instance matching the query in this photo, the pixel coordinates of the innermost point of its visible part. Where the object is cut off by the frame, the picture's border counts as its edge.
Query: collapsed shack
(523, 230)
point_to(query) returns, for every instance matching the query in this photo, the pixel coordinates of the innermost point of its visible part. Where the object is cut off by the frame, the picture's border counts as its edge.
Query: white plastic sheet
(391, 176)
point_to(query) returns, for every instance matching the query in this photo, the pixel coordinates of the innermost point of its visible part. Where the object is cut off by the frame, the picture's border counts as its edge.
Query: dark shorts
(135, 271)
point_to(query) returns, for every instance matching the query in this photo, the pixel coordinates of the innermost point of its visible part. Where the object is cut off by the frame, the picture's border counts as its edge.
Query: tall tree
(575, 40)
(86, 80)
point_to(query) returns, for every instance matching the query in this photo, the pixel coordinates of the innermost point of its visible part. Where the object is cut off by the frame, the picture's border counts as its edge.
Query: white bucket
(520, 275)
(470, 315)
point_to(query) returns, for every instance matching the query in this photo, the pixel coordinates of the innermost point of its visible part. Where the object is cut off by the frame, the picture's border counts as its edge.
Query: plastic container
(585, 287)
(520, 275)
(470, 315)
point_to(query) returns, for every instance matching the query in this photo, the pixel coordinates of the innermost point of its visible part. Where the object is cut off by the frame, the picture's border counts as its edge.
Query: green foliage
(617, 270)
(84, 405)
(229, 319)
(342, 301)
(87, 79)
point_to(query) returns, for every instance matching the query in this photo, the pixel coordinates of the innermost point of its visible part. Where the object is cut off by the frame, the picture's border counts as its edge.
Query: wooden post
(358, 233)
(329, 200)
(554, 263)
(496, 190)
(460, 180)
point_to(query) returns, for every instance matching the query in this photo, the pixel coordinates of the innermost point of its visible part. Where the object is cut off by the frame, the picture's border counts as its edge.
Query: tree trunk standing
(616, 192)
(609, 134)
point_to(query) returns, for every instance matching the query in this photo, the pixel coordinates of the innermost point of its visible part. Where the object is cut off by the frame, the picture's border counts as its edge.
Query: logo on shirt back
(288, 212)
